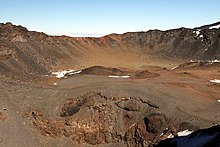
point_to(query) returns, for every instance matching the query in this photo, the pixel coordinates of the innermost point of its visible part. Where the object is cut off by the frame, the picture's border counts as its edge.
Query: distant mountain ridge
(215, 25)
(35, 53)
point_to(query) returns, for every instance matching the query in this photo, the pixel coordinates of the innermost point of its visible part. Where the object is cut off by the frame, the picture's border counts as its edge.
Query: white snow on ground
(206, 49)
(76, 72)
(61, 74)
(215, 27)
(219, 101)
(174, 67)
(54, 83)
(215, 60)
(184, 133)
(181, 133)
(201, 36)
(113, 76)
(211, 61)
(125, 76)
(215, 81)
(197, 32)
(118, 76)
(170, 136)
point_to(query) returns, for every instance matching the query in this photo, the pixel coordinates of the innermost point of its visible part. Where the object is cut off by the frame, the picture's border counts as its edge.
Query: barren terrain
(125, 91)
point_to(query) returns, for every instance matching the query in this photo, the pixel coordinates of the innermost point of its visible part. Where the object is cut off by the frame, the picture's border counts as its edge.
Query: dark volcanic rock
(95, 119)
(103, 71)
(209, 137)
(180, 43)
(144, 74)
(155, 122)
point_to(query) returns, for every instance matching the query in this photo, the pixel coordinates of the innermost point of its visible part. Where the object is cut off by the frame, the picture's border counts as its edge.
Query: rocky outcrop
(94, 118)
(180, 43)
(97, 119)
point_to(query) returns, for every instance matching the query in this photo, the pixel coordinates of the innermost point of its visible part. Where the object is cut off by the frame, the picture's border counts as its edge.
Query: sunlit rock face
(34, 53)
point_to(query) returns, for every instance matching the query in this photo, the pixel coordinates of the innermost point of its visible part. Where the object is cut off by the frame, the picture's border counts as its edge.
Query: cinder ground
(94, 109)
(183, 95)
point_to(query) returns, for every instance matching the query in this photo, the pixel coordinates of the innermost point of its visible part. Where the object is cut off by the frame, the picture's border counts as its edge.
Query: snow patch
(174, 67)
(197, 32)
(184, 133)
(205, 49)
(125, 76)
(215, 27)
(62, 74)
(181, 133)
(75, 72)
(215, 60)
(215, 81)
(55, 84)
(170, 136)
(210, 61)
(201, 36)
(113, 76)
(219, 101)
(118, 76)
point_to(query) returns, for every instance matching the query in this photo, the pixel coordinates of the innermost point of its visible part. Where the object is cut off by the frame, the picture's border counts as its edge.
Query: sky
(101, 17)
